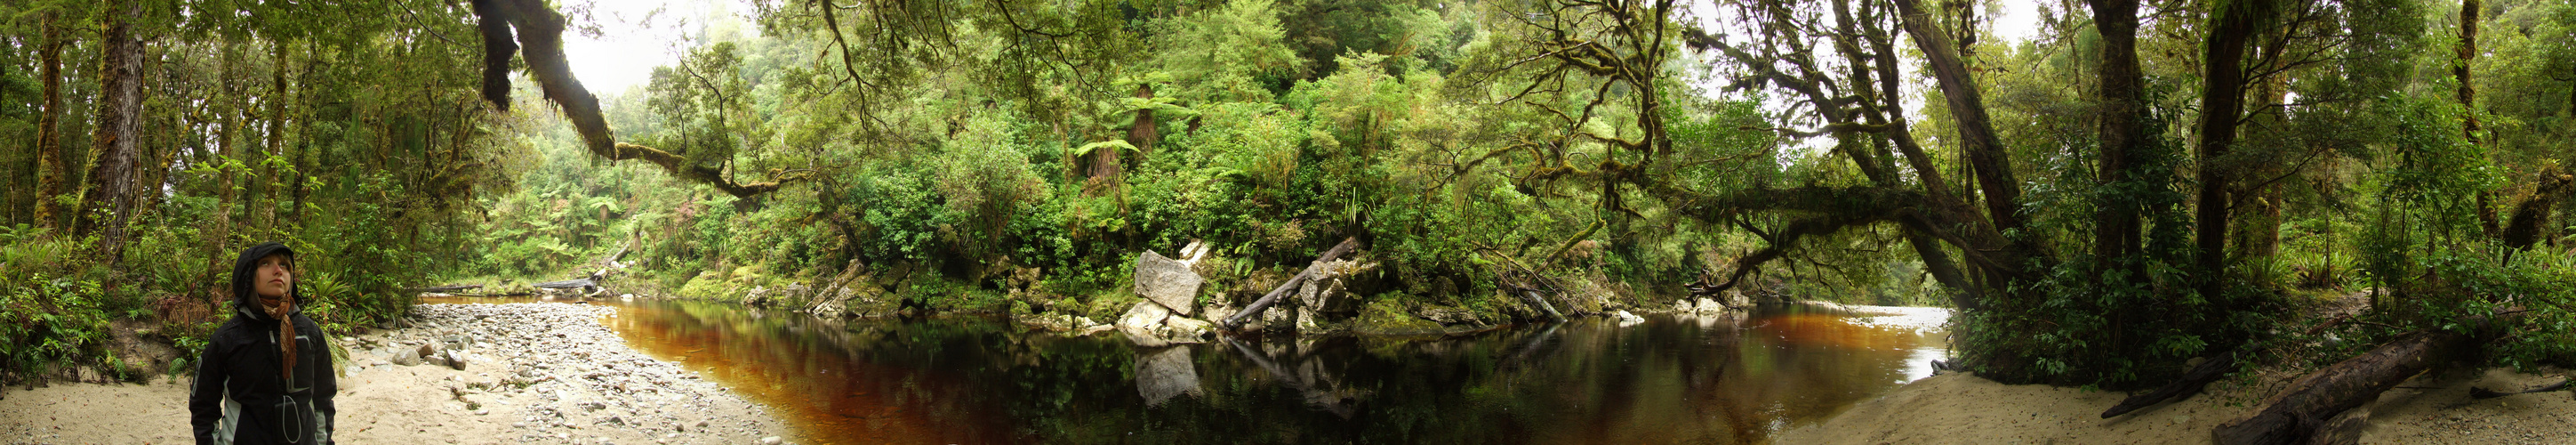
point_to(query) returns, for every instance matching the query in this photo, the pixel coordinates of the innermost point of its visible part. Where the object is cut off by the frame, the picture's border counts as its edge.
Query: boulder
(407, 357)
(1327, 290)
(1145, 315)
(1448, 315)
(1151, 325)
(454, 360)
(1627, 319)
(758, 297)
(1167, 281)
(1187, 330)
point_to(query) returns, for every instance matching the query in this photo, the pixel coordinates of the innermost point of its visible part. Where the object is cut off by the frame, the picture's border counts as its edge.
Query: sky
(633, 38)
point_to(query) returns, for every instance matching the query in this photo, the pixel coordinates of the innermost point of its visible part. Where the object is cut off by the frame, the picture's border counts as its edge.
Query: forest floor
(534, 373)
(1961, 408)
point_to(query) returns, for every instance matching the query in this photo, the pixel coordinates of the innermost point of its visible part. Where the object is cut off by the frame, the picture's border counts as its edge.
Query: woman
(265, 376)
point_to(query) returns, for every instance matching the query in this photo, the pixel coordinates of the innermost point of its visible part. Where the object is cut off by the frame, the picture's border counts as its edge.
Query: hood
(246, 269)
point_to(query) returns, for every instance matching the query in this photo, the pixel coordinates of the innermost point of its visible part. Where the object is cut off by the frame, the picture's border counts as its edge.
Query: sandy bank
(535, 373)
(1963, 409)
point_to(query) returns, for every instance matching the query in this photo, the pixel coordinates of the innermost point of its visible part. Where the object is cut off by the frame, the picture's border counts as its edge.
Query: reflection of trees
(975, 380)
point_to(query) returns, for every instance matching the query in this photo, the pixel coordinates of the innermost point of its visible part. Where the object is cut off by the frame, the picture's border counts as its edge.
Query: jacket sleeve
(206, 395)
(326, 385)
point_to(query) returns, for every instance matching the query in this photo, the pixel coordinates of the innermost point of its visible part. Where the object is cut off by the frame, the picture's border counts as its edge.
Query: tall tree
(49, 150)
(2233, 25)
(2117, 231)
(114, 156)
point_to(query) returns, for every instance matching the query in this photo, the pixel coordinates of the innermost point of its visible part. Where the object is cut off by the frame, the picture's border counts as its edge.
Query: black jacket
(239, 396)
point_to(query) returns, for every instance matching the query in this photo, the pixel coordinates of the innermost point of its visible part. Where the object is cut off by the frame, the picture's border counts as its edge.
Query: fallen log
(2190, 383)
(2297, 415)
(1235, 321)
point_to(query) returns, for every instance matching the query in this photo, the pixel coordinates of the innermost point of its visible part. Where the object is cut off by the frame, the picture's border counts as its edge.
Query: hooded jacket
(240, 396)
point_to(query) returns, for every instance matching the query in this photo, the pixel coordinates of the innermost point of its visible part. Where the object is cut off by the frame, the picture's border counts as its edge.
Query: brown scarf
(279, 308)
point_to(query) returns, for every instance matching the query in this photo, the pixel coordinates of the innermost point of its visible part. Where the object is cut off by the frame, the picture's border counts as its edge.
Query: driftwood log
(2190, 383)
(1236, 320)
(2301, 413)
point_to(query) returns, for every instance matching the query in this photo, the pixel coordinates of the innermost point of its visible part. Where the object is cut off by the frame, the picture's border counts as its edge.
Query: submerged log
(445, 288)
(2299, 414)
(1284, 289)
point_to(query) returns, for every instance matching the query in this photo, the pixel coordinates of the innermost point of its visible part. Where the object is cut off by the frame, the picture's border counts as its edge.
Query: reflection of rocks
(1060, 323)
(1311, 378)
(1149, 324)
(1161, 375)
(1167, 281)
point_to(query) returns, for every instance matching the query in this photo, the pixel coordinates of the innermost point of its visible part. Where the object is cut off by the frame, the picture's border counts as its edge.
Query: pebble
(575, 373)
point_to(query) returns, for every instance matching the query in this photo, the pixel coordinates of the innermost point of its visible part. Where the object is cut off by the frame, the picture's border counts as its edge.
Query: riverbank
(1960, 408)
(532, 373)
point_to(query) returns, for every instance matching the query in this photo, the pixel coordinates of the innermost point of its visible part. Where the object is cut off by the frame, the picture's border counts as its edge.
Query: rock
(1161, 375)
(1178, 329)
(1448, 315)
(1707, 306)
(407, 357)
(1167, 281)
(771, 440)
(758, 297)
(1145, 315)
(455, 360)
(793, 293)
(1627, 319)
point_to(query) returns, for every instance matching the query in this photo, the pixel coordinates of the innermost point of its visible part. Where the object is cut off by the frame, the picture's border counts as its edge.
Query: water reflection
(973, 380)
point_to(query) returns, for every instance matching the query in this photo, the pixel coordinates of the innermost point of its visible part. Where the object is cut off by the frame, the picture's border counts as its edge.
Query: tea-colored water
(976, 380)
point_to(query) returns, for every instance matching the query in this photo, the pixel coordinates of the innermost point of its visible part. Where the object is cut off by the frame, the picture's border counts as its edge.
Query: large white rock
(1145, 315)
(1167, 281)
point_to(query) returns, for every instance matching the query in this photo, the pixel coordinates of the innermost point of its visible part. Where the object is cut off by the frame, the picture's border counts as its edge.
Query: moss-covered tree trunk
(2233, 24)
(114, 156)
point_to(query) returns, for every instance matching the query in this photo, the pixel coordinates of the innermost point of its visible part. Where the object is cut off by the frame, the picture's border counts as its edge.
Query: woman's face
(273, 277)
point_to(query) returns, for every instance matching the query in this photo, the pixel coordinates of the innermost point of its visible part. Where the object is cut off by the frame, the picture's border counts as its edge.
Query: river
(1671, 379)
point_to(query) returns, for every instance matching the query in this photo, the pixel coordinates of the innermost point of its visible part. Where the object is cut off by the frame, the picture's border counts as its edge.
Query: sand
(1959, 408)
(613, 395)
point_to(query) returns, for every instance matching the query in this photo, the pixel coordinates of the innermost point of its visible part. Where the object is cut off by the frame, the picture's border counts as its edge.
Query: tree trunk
(2296, 415)
(2531, 218)
(303, 153)
(226, 153)
(276, 132)
(2117, 232)
(113, 153)
(49, 137)
(1142, 133)
(2222, 101)
(1984, 148)
(2467, 53)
